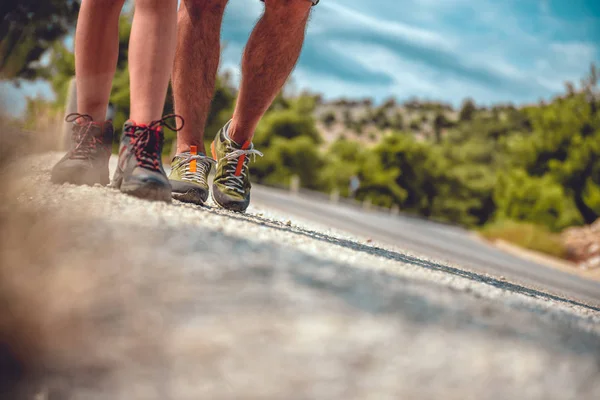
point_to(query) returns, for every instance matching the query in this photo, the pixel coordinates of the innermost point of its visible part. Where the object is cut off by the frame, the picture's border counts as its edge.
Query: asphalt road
(448, 244)
(123, 298)
(454, 247)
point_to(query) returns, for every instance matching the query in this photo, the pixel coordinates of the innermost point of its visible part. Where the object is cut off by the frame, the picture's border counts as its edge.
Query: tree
(28, 29)
(329, 119)
(415, 125)
(565, 144)
(380, 119)
(344, 158)
(390, 103)
(396, 173)
(287, 157)
(398, 121)
(347, 118)
(570, 88)
(541, 200)
(467, 111)
(358, 128)
(440, 122)
(286, 124)
(592, 78)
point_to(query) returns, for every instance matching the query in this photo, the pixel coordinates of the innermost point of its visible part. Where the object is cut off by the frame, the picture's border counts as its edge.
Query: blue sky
(509, 50)
(493, 51)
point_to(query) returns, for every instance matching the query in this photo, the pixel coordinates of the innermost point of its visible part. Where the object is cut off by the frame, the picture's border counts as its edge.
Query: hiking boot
(189, 176)
(86, 162)
(231, 186)
(140, 172)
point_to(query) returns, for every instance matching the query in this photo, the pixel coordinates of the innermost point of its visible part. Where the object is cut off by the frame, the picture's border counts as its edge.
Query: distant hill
(364, 122)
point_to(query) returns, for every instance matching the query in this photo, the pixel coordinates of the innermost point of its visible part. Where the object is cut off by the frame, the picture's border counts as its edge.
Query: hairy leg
(269, 58)
(151, 52)
(195, 67)
(96, 54)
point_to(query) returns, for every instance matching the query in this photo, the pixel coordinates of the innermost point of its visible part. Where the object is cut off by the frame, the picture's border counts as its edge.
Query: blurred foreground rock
(583, 245)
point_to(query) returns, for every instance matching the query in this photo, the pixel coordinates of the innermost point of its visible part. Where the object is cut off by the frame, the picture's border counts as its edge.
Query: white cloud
(572, 53)
(352, 19)
(491, 50)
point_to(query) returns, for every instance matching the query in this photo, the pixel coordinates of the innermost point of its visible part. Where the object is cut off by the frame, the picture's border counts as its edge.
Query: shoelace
(147, 140)
(204, 164)
(233, 181)
(86, 142)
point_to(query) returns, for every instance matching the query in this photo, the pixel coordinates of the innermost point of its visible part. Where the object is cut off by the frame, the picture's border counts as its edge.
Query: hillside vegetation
(475, 166)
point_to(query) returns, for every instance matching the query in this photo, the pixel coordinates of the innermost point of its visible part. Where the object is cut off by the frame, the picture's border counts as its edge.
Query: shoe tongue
(185, 155)
(189, 153)
(244, 146)
(92, 129)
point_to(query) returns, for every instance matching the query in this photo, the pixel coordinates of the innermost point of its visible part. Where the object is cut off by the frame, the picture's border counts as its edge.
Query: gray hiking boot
(140, 171)
(86, 162)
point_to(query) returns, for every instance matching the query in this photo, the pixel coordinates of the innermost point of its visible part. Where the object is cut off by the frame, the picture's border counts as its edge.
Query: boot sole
(188, 192)
(191, 196)
(149, 191)
(234, 206)
(78, 182)
(79, 179)
(152, 191)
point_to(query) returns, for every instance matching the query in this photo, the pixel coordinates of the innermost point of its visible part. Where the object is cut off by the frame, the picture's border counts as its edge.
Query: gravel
(186, 302)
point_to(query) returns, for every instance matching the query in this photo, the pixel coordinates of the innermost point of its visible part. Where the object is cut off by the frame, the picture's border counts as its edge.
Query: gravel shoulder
(186, 302)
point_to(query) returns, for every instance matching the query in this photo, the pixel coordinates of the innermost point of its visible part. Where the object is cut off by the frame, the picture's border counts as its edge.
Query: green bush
(286, 124)
(538, 200)
(342, 161)
(527, 235)
(288, 157)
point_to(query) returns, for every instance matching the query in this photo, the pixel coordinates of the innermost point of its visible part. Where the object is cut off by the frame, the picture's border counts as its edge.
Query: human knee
(292, 10)
(197, 8)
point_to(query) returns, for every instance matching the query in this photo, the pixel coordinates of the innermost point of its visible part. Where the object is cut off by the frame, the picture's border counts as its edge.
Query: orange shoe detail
(240, 164)
(193, 163)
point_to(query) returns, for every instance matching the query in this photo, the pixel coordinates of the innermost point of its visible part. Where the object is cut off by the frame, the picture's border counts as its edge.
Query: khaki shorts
(315, 2)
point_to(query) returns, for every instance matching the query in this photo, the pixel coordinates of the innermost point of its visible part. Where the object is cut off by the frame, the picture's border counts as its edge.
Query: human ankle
(185, 148)
(237, 135)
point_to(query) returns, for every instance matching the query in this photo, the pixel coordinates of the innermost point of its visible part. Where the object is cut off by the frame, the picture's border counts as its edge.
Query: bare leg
(151, 52)
(195, 68)
(269, 58)
(96, 54)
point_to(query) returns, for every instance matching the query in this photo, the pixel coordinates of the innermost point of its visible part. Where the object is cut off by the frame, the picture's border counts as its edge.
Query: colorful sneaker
(140, 172)
(86, 162)
(231, 186)
(189, 176)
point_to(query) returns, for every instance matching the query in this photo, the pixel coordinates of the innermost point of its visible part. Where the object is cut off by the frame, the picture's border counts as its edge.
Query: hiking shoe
(189, 176)
(86, 162)
(140, 172)
(231, 186)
